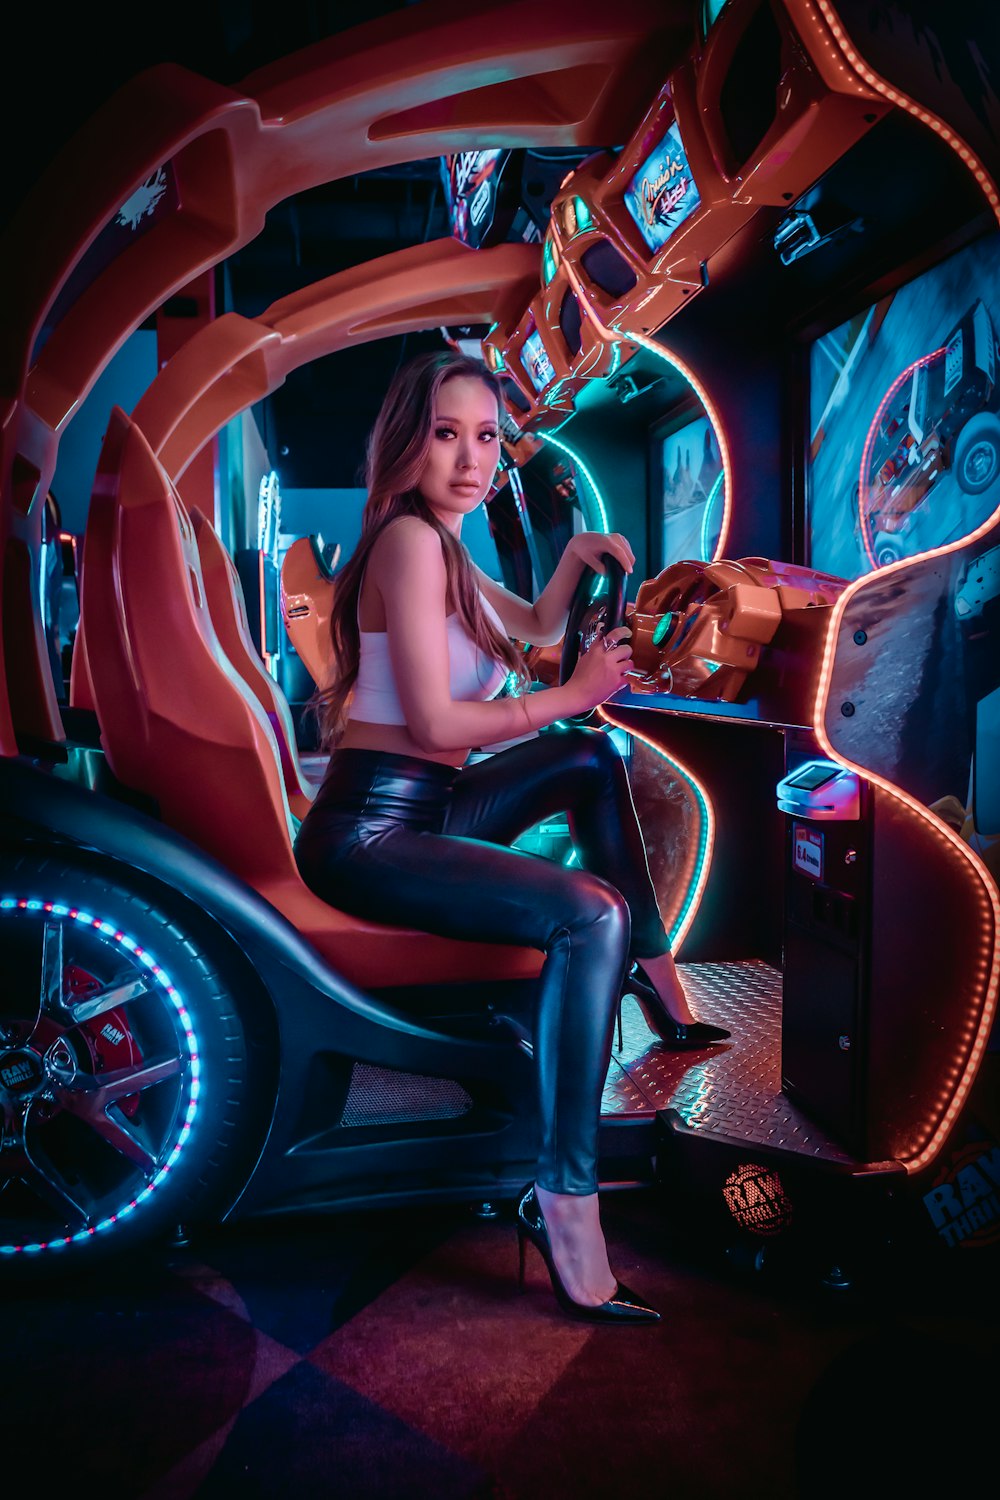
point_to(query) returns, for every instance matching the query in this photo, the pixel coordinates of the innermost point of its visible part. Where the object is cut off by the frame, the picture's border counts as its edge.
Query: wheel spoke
(91, 1098)
(50, 1001)
(109, 999)
(13, 1123)
(42, 1178)
(50, 997)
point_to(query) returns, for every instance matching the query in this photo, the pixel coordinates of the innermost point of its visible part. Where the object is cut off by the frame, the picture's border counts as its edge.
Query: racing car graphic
(938, 416)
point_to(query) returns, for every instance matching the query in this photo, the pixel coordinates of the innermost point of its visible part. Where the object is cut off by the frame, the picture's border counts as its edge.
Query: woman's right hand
(601, 670)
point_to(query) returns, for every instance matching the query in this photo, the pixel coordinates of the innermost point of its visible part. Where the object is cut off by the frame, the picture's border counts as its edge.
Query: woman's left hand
(590, 547)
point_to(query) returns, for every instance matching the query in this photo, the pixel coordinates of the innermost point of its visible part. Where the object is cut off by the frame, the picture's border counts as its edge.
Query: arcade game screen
(477, 210)
(691, 480)
(537, 362)
(904, 440)
(662, 194)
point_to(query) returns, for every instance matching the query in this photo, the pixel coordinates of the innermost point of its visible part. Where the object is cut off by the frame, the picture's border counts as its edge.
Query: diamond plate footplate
(730, 1089)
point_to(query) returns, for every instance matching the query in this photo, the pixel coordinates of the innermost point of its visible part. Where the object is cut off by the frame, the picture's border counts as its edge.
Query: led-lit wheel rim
(108, 1017)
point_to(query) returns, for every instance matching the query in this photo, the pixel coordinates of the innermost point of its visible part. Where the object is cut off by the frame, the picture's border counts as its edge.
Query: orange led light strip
(862, 70)
(870, 442)
(989, 895)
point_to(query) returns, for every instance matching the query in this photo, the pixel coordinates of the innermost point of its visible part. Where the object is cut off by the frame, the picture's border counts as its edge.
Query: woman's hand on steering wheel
(597, 616)
(602, 667)
(591, 546)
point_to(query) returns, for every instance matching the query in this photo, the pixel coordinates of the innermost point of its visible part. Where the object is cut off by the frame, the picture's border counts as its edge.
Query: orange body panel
(180, 724)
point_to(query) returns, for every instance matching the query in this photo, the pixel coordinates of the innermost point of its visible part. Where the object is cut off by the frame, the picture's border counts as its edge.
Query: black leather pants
(409, 841)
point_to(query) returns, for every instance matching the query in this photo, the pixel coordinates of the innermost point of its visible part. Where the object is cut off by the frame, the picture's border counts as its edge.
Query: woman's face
(464, 451)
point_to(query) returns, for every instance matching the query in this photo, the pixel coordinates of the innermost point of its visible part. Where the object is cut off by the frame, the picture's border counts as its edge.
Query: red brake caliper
(108, 1039)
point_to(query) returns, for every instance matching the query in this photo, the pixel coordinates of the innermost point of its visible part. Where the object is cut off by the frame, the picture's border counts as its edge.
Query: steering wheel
(592, 614)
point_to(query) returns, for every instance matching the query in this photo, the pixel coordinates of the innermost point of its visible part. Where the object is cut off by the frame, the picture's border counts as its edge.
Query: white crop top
(473, 674)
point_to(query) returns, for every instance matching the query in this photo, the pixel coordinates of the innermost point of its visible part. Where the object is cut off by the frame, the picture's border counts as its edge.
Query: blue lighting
(706, 546)
(109, 931)
(582, 467)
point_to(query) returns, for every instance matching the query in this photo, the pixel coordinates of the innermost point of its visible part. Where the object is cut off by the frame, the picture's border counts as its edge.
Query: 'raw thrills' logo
(757, 1200)
(964, 1203)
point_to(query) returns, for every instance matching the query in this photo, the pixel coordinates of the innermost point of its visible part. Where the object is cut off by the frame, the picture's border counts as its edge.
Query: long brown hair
(397, 453)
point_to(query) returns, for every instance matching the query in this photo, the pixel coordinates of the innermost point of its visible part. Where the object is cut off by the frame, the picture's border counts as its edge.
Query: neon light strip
(262, 608)
(602, 513)
(969, 159)
(713, 492)
(989, 894)
(635, 337)
(863, 522)
(874, 81)
(51, 908)
(716, 421)
(706, 836)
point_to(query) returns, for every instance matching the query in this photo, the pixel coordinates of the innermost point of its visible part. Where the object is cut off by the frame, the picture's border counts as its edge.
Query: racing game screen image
(692, 480)
(904, 421)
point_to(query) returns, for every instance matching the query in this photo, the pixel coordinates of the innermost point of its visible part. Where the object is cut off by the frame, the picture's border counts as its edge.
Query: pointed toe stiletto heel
(677, 1036)
(623, 1306)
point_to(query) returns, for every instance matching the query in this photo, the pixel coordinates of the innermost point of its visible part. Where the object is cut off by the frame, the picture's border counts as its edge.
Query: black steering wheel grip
(593, 611)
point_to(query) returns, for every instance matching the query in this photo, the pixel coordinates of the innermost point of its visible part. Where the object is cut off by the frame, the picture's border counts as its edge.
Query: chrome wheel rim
(99, 1076)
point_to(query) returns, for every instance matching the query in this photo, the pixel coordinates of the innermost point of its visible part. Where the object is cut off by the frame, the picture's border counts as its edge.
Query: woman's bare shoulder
(406, 542)
(406, 532)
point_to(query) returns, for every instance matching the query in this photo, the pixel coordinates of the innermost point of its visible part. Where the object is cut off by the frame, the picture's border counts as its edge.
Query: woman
(405, 824)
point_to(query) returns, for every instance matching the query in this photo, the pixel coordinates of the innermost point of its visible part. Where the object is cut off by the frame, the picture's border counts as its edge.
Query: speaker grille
(384, 1096)
(569, 321)
(607, 269)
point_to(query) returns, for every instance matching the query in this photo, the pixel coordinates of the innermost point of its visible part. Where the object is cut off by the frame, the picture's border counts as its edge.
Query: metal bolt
(850, 857)
(860, 636)
(844, 1043)
(847, 709)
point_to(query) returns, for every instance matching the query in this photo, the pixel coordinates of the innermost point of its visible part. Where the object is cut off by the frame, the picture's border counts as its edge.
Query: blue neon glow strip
(706, 837)
(578, 461)
(52, 908)
(706, 831)
(705, 549)
(633, 336)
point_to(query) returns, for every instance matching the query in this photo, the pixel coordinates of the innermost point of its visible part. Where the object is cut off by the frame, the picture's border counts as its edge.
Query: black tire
(124, 1073)
(977, 453)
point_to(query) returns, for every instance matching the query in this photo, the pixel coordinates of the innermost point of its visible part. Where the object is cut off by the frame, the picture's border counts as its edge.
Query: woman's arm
(408, 568)
(544, 622)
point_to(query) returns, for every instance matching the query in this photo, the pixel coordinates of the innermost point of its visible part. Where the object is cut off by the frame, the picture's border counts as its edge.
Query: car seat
(227, 607)
(180, 724)
(224, 595)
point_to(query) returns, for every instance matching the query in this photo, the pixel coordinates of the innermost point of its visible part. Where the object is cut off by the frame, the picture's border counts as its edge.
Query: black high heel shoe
(622, 1307)
(678, 1036)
